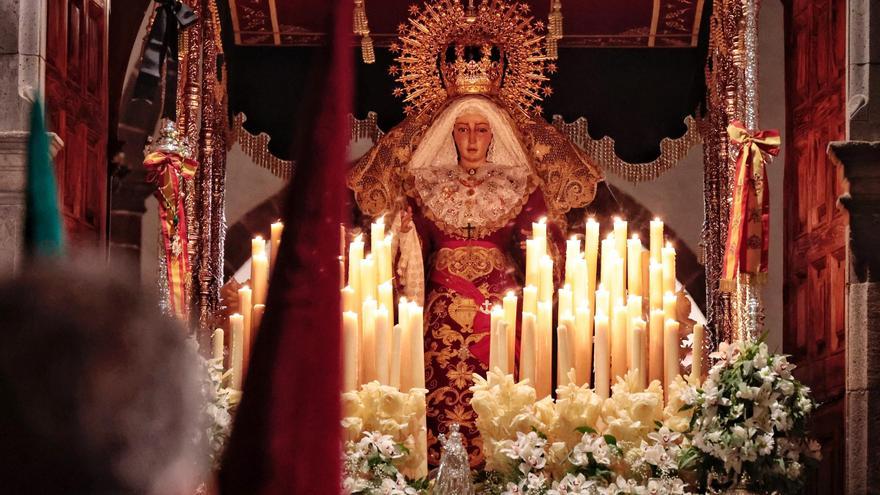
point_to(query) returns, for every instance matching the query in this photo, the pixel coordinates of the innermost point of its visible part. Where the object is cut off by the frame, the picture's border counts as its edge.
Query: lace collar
(472, 206)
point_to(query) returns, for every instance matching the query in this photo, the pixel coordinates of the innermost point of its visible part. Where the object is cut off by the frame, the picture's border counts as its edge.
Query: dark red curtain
(286, 434)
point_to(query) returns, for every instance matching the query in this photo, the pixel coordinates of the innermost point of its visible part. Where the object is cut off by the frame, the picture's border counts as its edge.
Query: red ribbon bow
(748, 235)
(166, 170)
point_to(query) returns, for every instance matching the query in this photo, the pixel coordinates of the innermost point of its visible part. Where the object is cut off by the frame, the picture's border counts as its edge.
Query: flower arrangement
(750, 420)
(370, 467)
(219, 409)
(580, 443)
(383, 434)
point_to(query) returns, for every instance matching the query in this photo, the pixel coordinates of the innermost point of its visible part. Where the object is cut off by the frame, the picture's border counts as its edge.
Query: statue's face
(472, 136)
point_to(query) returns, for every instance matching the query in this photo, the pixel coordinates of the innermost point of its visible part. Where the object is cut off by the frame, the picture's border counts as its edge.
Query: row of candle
(244, 324)
(600, 329)
(374, 347)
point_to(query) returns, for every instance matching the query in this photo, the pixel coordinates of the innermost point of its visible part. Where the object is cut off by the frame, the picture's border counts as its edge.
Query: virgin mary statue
(462, 179)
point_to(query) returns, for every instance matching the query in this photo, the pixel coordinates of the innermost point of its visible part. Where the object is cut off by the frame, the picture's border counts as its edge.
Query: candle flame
(403, 300)
(258, 238)
(359, 238)
(510, 293)
(635, 237)
(657, 219)
(542, 220)
(669, 245)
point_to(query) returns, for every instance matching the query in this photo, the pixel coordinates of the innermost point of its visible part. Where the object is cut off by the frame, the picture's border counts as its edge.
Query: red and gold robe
(465, 277)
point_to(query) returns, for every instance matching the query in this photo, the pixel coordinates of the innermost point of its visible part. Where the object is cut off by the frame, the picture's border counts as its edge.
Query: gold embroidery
(450, 367)
(470, 262)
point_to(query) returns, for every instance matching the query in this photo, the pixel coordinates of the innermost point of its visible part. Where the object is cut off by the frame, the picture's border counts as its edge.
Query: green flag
(43, 233)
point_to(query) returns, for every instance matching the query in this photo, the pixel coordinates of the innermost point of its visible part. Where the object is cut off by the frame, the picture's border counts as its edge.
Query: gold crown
(470, 69)
(495, 49)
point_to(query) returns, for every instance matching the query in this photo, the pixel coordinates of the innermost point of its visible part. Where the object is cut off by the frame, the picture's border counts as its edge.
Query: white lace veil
(437, 148)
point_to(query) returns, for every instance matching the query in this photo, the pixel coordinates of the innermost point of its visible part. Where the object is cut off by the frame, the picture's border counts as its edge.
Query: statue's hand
(406, 223)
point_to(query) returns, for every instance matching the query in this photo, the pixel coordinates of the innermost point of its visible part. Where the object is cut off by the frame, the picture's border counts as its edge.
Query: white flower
(590, 444)
(573, 485)
(528, 448)
(786, 387)
(664, 436)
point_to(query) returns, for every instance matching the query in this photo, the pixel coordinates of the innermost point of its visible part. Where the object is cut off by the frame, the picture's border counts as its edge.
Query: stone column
(22, 74)
(859, 158)
(861, 166)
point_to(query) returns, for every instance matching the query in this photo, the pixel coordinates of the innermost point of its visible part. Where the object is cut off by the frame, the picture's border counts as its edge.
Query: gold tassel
(554, 29)
(360, 18)
(552, 48)
(362, 28)
(367, 51)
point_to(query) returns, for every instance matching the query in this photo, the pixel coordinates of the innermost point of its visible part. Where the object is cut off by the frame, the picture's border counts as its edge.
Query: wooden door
(76, 104)
(815, 226)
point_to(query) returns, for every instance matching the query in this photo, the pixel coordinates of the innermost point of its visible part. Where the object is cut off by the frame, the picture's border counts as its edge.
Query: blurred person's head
(98, 391)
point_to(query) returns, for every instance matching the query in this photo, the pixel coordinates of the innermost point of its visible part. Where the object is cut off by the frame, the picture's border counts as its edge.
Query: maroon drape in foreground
(286, 434)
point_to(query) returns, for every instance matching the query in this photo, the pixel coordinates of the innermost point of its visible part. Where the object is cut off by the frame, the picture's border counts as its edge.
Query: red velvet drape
(286, 437)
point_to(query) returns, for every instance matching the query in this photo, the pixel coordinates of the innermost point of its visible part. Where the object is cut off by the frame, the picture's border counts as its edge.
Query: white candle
(496, 316)
(608, 253)
(620, 236)
(600, 363)
(639, 356)
(634, 264)
(377, 234)
(405, 345)
(383, 345)
(368, 341)
(532, 270)
(618, 341)
(544, 349)
(350, 361)
(236, 325)
(670, 354)
(394, 367)
(417, 343)
(260, 272)
(368, 278)
(386, 271)
(246, 310)
(697, 354)
(527, 358)
(277, 229)
(545, 291)
(633, 312)
(509, 302)
(501, 349)
(583, 360)
(581, 285)
(355, 256)
(258, 246)
(656, 241)
(668, 254)
(655, 285)
(572, 256)
(217, 340)
(618, 281)
(565, 351)
(564, 303)
(655, 355)
(539, 231)
(603, 299)
(530, 299)
(349, 299)
(669, 306)
(386, 298)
